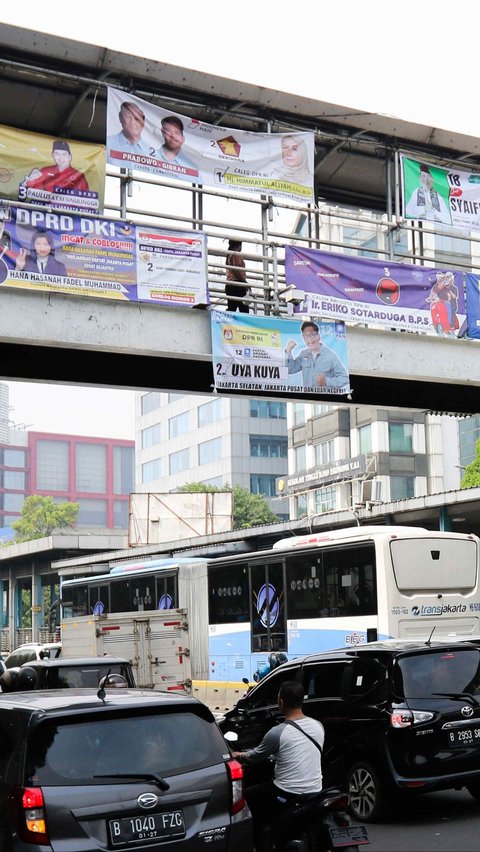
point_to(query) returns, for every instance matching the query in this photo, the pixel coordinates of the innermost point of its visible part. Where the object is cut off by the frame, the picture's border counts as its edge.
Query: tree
(249, 510)
(40, 516)
(471, 477)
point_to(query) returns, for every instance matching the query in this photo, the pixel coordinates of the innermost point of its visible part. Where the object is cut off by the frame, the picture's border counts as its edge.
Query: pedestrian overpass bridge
(67, 339)
(57, 86)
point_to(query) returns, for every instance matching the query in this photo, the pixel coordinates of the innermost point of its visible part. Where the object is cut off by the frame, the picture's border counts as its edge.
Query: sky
(413, 61)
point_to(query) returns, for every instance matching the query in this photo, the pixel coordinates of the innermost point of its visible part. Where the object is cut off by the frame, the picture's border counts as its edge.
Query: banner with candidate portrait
(277, 355)
(60, 173)
(170, 145)
(375, 292)
(472, 290)
(443, 195)
(64, 252)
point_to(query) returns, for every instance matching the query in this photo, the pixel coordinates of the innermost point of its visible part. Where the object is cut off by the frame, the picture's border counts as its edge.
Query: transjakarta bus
(306, 594)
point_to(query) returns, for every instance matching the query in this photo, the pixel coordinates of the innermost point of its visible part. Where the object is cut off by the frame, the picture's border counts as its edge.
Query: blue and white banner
(269, 354)
(472, 285)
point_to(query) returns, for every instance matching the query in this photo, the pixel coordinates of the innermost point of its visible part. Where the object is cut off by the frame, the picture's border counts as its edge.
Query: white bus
(306, 594)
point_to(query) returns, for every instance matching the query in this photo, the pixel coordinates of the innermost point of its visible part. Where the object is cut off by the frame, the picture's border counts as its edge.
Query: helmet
(276, 658)
(8, 680)
(113, 680)
(27, 678)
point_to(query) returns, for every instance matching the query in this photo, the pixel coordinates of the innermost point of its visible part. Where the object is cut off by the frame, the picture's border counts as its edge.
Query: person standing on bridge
(236, 287)
(319, 365)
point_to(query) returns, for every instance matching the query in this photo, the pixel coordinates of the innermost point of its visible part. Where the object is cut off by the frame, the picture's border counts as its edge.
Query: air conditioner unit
(371, 491)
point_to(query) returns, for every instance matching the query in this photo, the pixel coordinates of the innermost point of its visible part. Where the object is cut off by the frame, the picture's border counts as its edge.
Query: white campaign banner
(151, 139)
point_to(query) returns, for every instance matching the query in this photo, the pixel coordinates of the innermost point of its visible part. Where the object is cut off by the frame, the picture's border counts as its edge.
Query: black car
(65, 673)
(399, 717)
(122, 769)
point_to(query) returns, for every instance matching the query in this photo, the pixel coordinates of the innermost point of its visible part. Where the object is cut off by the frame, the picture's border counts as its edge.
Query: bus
(308, 593)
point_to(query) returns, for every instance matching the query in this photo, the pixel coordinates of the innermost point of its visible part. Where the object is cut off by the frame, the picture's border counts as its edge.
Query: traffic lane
(436, 822)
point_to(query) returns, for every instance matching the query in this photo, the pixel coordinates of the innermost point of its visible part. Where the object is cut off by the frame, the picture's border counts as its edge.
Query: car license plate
(464, 737)
(351, 835)
(141, 829)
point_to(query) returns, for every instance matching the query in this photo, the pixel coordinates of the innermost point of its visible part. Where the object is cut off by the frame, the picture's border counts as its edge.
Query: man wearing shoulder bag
(296, 747)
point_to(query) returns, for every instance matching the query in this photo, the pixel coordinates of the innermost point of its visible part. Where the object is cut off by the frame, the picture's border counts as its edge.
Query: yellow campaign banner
(49, 170)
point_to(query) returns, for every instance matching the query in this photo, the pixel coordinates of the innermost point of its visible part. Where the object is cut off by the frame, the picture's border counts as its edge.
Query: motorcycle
(320, 823)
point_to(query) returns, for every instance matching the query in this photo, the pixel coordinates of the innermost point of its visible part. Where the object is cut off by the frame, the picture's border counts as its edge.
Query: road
(437, 822)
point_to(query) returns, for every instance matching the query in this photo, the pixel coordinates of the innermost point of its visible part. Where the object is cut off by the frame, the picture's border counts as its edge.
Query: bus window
(228, 594)
(98, 600)
(166, 593)
(78, 595)
(120, 595)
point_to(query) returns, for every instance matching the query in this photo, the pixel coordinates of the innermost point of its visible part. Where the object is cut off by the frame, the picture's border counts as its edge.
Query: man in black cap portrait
(61, 175)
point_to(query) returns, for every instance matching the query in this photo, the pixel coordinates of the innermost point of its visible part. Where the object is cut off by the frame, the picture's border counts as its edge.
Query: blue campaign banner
(378, 293)
(273, 354)
(472, 285)
(91, 256)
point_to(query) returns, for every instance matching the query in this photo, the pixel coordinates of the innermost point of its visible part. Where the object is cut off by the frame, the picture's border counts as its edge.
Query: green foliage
(40, 516)
(471, 477)
(249, 510)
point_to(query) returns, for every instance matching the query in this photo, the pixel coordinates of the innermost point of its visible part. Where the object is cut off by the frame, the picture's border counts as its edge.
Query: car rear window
(62, 754)
(443, 672)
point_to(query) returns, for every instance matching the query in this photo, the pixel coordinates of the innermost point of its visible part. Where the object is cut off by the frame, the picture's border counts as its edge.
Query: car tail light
(29, 810)
(408, 718)
(235, 774)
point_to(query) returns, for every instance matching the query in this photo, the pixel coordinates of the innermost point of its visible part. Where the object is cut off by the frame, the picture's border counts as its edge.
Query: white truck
(156, 643)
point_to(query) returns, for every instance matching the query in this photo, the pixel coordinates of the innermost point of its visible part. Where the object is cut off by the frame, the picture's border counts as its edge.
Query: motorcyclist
(275, 658)
(295, 745)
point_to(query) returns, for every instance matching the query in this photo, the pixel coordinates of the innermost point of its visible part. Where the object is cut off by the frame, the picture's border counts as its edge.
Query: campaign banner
(257, 353)
(375, 292)
(56, 172)
(445, 195)
(472, 289)
(90, 256)
(151, 139)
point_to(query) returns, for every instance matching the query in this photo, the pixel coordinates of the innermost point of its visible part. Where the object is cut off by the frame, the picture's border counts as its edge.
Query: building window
(301, 506)
(13, 502)
(263, 484)
(468, 435)
(325, 499)
(123, 470)
(13, 458)
(322, 407)
(179, 461)
(365, 438)
(324, 452)
(179, 425)
(453, 249)
(402, 487)
(150, 402)
(151, 436)
(14, 480)
(300, 458)
(120, 514)
(268, 447)
(209, 412)
(210, 451)
(151, 470)
(52, 466)
(268, 409)
(92, 513)
(299, 413)
(173, 397)
(91, 468)
(400, 436)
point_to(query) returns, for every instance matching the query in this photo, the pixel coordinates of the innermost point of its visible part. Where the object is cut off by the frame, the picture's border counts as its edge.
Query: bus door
(267, 604)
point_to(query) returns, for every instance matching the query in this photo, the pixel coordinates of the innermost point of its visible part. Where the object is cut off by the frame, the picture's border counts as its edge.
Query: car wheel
(474, 790)
(367, 803)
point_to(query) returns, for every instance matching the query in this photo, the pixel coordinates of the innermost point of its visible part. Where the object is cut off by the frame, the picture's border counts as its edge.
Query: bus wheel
(367, 802)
